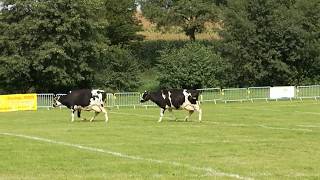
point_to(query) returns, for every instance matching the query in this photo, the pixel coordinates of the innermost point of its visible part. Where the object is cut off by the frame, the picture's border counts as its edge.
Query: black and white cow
(174, 99)
(83, 99)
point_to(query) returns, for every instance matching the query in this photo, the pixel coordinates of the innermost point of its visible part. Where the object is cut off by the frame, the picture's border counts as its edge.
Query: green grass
(275, 140)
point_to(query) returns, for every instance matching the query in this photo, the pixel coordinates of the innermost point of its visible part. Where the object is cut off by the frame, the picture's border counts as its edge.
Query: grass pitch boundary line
(208, 170)
(289, 129)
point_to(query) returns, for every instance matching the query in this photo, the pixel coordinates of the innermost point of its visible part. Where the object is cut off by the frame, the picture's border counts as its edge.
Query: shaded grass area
(275, 140)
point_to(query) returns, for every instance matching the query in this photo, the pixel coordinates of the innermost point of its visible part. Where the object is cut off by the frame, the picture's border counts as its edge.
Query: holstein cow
(83, 99)
(174, 99)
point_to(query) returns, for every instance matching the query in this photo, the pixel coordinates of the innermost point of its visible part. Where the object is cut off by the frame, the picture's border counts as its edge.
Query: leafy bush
(193, 66)
(117, 70)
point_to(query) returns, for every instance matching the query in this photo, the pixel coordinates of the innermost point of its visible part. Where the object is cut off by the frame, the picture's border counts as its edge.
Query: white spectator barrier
(282, 92)
(210, 95)
(45, 100)
(235, 94)
(207, 95)
(308, 92)
(127, 99)
(258, 93)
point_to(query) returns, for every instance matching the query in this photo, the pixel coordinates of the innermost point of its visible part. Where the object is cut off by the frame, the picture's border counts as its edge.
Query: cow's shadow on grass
(177, 120)
(181, 121)
(87, 120)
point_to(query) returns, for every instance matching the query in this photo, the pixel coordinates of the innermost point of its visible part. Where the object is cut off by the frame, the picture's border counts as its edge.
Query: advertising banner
(282, 92)
(18, 102)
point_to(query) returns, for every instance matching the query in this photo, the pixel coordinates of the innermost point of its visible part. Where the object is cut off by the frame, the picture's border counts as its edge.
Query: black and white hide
(175, 99)
(83, 99)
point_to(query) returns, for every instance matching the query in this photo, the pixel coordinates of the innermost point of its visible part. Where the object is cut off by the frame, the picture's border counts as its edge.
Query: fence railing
(210, 95)
(256, 93)
(304, 92)
(44, 100)
(235, 94)
(207, 95)
(126, 99)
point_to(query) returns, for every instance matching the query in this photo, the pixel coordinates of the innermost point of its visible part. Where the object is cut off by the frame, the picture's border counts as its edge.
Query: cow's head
(145, 97)
(56, 102)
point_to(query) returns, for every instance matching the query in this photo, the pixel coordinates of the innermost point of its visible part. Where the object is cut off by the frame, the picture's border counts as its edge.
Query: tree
(48, 45)
(193, 66)
(117, 70)
(266, 41)
(54, 46)
(190, 15)
(308, 67)
(122, 22)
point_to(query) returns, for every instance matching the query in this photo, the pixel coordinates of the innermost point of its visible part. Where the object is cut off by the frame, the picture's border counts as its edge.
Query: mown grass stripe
(209, 171)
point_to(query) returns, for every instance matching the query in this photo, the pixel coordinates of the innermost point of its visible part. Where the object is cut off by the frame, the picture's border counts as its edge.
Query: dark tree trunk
(191, 32)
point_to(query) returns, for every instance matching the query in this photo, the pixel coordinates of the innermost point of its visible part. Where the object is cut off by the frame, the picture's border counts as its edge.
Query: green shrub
(117, 70)
(193, 66)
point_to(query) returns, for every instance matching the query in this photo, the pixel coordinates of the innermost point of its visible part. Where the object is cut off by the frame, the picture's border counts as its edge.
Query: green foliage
(148, 52)
(193, 66)
(149, 81)
(54, 46)
(50, 43)
(190, 15)
(123, 24)
(117, 70)
(268, 42)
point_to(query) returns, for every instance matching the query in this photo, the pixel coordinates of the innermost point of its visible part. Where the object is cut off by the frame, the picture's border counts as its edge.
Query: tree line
(58, 45)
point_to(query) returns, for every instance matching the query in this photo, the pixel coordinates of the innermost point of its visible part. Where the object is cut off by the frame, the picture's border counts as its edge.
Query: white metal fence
(210, 95)
(45, 100)
(207, 95)
(304, 92)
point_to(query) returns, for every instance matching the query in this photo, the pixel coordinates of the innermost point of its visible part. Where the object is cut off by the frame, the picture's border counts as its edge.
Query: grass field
(275, 140)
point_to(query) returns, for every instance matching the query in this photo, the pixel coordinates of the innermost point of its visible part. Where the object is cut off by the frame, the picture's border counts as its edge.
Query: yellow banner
(18, 102)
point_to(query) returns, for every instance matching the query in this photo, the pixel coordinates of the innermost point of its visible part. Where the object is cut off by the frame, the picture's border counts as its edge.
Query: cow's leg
(190, 109)
(72, 114)
(96, 110)
(105, 113)
(188, 116)
(161, 114)
(79, 114)
(197, 108)
(172, 114)
(200, 114)
(94, 116)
